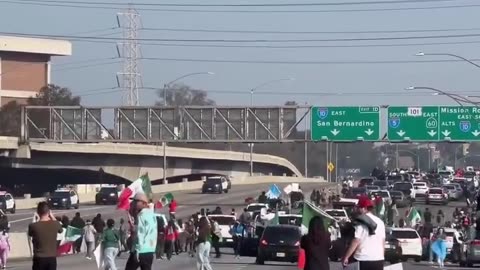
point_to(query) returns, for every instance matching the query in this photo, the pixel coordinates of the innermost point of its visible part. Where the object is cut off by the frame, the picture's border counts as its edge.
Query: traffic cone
(301, 259)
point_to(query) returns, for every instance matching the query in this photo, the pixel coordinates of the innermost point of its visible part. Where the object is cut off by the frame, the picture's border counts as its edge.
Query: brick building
(25, 65)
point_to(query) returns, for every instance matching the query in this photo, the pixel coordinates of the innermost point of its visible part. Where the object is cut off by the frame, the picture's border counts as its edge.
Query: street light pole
(165, 88)
(252, 90)
(450, 55)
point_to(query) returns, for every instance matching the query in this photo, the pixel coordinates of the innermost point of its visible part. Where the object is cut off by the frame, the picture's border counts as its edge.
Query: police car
(64, 199)
(7, 203)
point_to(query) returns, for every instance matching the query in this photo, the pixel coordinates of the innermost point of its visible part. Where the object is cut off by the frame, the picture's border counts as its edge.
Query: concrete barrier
(244, 180)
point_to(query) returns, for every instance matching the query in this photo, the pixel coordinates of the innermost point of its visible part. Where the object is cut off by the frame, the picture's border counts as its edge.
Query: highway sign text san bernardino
(345, 123)
(412, 123)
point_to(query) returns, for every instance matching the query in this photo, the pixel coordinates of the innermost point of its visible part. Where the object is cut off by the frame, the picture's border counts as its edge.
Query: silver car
(453, 192)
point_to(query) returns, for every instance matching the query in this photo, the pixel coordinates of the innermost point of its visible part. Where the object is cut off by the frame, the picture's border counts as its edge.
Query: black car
(279, 243)
(393, 250)
(107, 195)
(63, 199)
(405, 187)
(384, 185)
(400, 199)
(358, 192)
(217, 184)
(366, 181)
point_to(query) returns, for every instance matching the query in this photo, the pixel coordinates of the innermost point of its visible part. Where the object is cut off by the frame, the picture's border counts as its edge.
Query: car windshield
(255, 208)
(287, 234)
(290, 220)
(382, 194)
(450, 187)
(445, 173)
(223, 220)
(419, 185)
(380, 183)
(61, 194)
(108, 190)
(402, 186)
(396, 194)
(435, 191)
(470, 174)
(373, 188)
(394, 178)
(407, 234)
(336, 213)
(214, 181)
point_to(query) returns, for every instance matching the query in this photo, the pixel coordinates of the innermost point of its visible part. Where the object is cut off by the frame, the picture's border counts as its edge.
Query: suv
(7, 202)
(107, 195)
(421, 189)
(405, 187)
(63, 198)
(216, 184)
(437, 195)
(279, 243)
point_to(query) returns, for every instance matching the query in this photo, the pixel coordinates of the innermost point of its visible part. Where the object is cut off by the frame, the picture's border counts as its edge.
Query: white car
(446, 176)
(292, 219)
(7, 202)
(410, 242)
(421, 189)
(451, 234)
(338, 214)
(225, 223)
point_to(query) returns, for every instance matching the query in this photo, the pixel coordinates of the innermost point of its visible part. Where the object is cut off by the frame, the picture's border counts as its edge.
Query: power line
(248, 40)
(250, 11)
(87, 66)
(308, 4)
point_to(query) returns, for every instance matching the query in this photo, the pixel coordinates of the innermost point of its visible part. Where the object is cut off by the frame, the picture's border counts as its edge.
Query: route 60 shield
(322, 113)
(465, 126)
(394, 122)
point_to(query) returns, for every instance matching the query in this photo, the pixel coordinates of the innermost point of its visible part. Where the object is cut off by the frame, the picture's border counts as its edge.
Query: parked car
(453, 192)
(7, 202)
(437, 195)
(225, 222)
(400, 199)
(406, 188)
(410, 242)
(280, 243)
(421, 189)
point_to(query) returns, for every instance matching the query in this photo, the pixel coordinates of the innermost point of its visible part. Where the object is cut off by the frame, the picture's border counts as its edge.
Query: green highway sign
(459, 123)
(345, 123)
(413, 123)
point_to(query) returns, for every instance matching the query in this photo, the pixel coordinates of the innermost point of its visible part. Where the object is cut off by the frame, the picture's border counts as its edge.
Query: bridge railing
(165, 124)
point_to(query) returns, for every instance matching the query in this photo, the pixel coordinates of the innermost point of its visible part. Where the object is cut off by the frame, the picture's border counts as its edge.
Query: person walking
(44, 239)
(89, 235)
(172, 208)
(99, 225)
(427, 216)
(170, 238)
(216, 238)
(78, 223)
(238, 233)
(122, 231)
(144, 234)
(190, 233)
(316, 245)
(110, 239)
(160, 249)
(439, 247)
(4, 249)
(204, 246)
(368, 245)
(440, 217)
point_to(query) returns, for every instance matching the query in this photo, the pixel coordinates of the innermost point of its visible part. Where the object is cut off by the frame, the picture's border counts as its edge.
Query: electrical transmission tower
(130, 78)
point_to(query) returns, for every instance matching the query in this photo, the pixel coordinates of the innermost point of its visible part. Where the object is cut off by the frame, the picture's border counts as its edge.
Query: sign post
(345, 124)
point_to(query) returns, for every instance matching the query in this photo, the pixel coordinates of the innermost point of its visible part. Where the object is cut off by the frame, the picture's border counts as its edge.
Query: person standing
(110, 239)
(427, 216)
(216, 238)
(161, 227)
(204, 246)
(262, 198)
(190, 234)
(4, 249)
(78, 223)
(44, 239)
(440, 217)
(316, 245)
(89, 235)
(368, 246)
(238, 233)
(122, 230)
(144, 235)
(170, 238)
(172, 208)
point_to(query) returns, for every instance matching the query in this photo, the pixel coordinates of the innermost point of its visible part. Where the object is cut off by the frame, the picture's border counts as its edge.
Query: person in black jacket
(316, 245)
(78, 223)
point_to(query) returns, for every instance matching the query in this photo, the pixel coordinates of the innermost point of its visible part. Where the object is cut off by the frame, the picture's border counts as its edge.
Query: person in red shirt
(171, 234)
(172, 208)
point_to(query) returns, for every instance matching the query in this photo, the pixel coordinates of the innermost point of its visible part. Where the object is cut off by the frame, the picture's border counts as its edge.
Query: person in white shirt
(368, 246)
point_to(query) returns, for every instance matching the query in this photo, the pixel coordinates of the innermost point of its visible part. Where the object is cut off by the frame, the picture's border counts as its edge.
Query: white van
(410, 242)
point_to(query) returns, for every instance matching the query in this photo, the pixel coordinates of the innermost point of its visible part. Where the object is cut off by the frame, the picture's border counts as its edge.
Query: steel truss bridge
(193, 124)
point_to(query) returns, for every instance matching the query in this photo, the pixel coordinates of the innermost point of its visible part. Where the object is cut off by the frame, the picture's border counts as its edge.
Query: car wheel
(404, 259)
(260, 261)
(462, 264)
(77, 205)
(220, 191)
(469, 264)
(226, 190)
(418, 259)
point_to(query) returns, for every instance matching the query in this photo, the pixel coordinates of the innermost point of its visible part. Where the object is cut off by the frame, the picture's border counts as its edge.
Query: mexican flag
(141, 185)
(413, 216)
(380, 206)
(310, 211)
(165, 200)
(70, 235)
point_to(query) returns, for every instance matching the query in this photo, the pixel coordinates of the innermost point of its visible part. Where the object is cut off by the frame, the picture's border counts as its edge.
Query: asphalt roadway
(189, 202)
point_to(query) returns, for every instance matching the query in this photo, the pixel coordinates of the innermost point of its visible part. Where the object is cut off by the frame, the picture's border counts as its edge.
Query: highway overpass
(128, 161)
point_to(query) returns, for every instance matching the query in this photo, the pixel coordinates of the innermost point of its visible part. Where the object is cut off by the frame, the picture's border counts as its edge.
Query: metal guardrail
(195, 124)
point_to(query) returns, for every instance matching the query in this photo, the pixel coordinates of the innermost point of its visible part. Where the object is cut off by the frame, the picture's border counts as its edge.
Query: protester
(316, 245)
(61, 233)
(190, 233)
(245, 217)
(233, 213)
(440, 217)
(369, 243)
(172, 208)
(170, 238)
(89, 235)
(238, 233)
(44, 236)
(110, 239)
(216, 237)
(98, 223)
(144, 235)
(427, 216)
(78, 223)
(122, 230)
(203, 248)
(4, 249)
(160, 249)
(262, 198)
(439, 247)
(4, 224)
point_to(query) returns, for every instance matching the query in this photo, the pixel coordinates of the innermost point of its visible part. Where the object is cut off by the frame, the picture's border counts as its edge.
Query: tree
(50, 95)
(183, 95)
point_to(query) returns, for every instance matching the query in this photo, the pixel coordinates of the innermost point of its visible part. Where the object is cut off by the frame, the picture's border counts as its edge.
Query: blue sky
(360, 84)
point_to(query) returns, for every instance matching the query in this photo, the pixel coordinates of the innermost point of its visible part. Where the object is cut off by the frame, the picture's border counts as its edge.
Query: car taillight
(263, 242)
(476, 243)
(297, 243)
